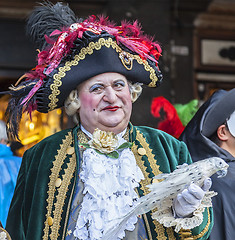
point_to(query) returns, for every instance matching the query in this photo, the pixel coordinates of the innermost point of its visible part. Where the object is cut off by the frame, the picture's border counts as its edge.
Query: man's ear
(222, 133)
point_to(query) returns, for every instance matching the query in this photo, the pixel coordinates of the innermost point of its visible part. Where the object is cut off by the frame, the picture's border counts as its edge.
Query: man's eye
(97, 88)
(119, 85)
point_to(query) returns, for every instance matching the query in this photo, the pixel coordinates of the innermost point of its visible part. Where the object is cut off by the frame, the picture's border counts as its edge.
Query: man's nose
(110, 95)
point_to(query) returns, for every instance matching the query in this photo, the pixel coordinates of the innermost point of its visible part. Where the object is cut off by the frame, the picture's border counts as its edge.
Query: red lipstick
(111, 108)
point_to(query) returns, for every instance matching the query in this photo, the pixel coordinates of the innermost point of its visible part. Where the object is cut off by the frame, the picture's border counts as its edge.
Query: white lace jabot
(109, 191)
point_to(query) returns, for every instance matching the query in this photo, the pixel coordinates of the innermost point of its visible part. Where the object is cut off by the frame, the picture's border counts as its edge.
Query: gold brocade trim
(155, 169)
(82, 54)
(82, 137)
(60, 198)
(170, 233)
(206, 227)
(187, 234)
(143, 182)
(68, 210)
(150, 155)
(55, 170)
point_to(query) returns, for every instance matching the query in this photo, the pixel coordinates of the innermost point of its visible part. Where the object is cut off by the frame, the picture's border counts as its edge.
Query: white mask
(231, 123)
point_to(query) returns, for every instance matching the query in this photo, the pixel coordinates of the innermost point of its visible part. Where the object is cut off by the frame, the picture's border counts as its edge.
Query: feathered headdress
(74, 50)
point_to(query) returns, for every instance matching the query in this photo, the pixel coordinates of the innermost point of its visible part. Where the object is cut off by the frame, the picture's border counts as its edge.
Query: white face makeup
(105, 103)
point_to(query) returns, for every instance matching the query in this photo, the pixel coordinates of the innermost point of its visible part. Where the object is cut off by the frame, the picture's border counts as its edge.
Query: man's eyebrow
(119, 79)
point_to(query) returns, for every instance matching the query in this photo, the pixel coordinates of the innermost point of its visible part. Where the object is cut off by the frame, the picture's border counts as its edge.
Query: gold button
(70, 150)
(50, 221)
(141, 151)
(58, 182)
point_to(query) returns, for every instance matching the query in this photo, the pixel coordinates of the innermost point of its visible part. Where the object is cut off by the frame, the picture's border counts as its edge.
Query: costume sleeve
(184, 155)
(15, 222)
(203, 230)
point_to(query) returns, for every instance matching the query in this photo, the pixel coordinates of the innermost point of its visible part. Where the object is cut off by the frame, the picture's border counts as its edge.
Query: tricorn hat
(74, 50)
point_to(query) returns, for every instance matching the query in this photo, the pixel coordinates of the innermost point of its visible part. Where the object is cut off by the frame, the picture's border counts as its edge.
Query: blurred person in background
(211, 133)
(9, 167)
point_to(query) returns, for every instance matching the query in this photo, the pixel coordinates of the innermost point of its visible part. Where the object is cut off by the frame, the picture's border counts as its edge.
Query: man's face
(105, 103)
(231, 124)
(231, 134)
(226, 139)
(231, 144)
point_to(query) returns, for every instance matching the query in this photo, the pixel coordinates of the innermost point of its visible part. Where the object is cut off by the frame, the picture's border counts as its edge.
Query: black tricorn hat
(223, 105)
(74, 50)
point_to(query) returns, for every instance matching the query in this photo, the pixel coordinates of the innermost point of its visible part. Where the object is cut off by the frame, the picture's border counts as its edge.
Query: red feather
(32, 91)
(129, 34)
(170, 121)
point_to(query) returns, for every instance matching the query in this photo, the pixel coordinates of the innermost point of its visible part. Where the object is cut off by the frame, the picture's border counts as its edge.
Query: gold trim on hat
(89, 50)
(126, 60)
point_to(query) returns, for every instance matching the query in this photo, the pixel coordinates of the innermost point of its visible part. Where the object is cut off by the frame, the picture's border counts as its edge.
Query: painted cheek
(87, 101)
(126, 98)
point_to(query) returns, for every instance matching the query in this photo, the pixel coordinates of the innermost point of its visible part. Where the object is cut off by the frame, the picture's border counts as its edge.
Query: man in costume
(9, 166)
(79, 182)
(211, 132)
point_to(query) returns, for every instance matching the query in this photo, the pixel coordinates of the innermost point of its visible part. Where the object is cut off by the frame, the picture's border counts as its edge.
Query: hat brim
(101, 56)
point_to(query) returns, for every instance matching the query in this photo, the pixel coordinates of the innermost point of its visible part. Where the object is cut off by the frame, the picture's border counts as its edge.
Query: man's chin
(115, 127)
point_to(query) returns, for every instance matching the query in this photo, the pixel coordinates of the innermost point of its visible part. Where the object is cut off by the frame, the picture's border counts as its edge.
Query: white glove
(189, 200)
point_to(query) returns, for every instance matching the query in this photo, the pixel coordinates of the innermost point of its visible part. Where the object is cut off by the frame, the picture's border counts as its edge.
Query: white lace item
(166, 217)
(3, 236)
(109, 192)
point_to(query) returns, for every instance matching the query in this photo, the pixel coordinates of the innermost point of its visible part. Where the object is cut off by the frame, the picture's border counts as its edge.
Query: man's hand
(189, 200)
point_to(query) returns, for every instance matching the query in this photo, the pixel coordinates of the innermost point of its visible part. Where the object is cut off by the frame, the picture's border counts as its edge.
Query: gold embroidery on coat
(206, 227)
(155, 168)
(150, 155)
(82, 137)
(61, 196)
(143, 182)
(170, 233)
(55, 170)
(68, 210)
(82, 54)
(184, 233)
(187, 234)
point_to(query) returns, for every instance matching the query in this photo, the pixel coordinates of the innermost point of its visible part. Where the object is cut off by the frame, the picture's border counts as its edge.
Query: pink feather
(32, 91)
(129, 34)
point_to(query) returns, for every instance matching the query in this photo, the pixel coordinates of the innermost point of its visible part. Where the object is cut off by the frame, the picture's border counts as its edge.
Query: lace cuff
(166, 218)
(4, 235)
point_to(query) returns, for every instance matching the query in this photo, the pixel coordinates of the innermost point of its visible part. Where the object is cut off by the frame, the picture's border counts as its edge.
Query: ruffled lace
(4, 234)
(165, 215)
(109, 193)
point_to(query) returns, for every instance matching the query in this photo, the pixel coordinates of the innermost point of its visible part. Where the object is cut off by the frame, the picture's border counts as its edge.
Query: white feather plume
(163, 192)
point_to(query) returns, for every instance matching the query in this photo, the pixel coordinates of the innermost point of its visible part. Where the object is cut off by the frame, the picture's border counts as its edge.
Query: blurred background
(197, 38)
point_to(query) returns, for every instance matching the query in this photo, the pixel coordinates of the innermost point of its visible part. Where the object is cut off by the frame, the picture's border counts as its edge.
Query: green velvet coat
(49, 172)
